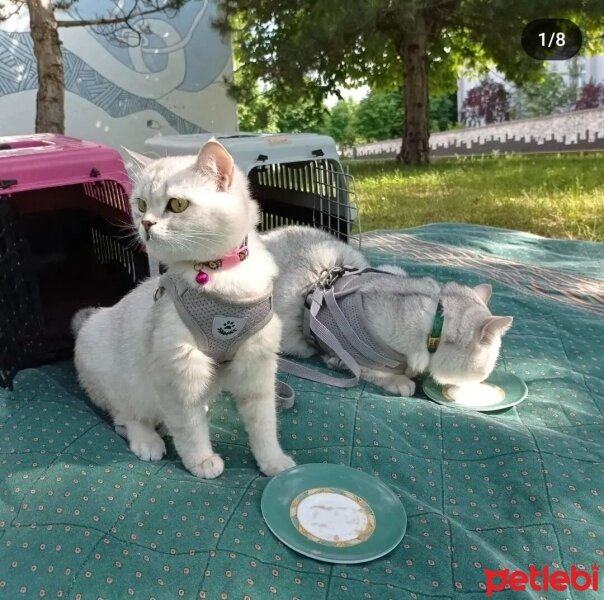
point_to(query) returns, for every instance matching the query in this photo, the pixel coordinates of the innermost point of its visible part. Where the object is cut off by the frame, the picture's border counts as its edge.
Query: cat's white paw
(392, 382)
(210, 468)
(148, 447)
(333, 362)
(276, 464)
(405, 387)
(304, 351)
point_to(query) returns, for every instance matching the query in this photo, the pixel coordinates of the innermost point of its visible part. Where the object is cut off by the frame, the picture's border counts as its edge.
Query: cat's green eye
(177, 205)
(141, 205)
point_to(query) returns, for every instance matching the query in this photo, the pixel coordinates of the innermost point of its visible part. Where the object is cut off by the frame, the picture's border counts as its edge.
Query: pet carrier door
(66, 242)
(316, 193)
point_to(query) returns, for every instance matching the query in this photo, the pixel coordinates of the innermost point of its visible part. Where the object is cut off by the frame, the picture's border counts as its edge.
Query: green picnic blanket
(82, 517)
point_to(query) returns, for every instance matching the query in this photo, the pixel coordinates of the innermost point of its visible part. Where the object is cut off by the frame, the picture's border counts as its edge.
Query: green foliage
(310, 48)
(255, 112)
(341, 123)
(380, 116)
(315, 47)
(550, 95)
(443, 112)
(304, 116)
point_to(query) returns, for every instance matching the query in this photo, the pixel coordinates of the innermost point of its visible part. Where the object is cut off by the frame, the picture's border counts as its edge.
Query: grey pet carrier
(296, 178)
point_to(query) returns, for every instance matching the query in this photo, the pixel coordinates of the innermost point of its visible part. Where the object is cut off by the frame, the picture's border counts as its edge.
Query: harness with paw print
(218, 325)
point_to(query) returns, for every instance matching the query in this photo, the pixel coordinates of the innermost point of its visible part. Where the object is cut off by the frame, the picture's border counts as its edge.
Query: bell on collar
(202, 278)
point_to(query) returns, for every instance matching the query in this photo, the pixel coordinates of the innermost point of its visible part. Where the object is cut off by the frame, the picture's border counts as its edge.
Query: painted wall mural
(120, 91)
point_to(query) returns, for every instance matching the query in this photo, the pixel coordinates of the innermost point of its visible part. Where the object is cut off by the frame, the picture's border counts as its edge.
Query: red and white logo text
(543, 579)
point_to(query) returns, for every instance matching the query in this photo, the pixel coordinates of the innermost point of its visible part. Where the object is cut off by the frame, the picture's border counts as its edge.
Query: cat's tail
(80, 317)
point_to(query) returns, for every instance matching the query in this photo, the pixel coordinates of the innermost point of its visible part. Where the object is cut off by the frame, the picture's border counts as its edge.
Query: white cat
(138, 359)
(400, 312)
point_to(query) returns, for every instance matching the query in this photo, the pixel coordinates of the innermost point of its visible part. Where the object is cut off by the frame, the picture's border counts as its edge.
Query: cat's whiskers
(205, 244)
(203, 234)
(135, 244)
(124, 225)
(178, 244)
(125, 236)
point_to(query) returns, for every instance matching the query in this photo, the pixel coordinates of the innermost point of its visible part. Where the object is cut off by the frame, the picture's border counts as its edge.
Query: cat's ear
(494, 327)
(484, 291)
(140, 159)
(214, 158)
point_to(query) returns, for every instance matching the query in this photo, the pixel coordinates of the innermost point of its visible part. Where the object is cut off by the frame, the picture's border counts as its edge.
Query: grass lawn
(551, 195)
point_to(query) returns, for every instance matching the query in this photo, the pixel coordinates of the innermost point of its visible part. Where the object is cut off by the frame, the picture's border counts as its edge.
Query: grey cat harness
(335, 322)
(218, 325)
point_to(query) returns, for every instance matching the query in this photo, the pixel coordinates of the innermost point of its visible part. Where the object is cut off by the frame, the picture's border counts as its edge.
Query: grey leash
(284, 395)
(323, 334)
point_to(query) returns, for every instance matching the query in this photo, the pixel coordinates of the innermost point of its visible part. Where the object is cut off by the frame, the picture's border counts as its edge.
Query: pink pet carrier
(64, 243)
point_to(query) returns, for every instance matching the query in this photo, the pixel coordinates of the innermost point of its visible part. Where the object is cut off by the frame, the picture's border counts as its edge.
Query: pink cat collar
(228, 261)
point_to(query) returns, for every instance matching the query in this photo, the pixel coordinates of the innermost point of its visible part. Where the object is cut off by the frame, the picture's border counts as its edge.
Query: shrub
(591, 96)
(487, 103)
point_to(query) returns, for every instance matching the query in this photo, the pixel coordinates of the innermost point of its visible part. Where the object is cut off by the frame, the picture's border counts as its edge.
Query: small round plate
(501, 390)
(334, 513)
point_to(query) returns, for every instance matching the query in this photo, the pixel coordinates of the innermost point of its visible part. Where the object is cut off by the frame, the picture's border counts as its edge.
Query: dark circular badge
(551, 39)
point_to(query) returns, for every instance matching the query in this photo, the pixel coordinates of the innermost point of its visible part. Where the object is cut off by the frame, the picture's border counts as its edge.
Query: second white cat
(400, 313)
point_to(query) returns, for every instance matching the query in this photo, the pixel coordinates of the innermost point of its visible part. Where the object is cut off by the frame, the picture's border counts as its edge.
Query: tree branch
(18, 6)
(113, 21)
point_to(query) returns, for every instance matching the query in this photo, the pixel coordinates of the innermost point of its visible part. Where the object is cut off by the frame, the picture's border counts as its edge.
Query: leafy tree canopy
(319, 46)
(309, 48)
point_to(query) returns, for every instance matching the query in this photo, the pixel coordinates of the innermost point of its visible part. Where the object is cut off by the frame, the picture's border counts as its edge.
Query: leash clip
(329, 276)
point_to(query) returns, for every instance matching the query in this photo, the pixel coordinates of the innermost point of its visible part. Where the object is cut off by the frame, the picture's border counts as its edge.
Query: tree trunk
(50, 99)
(415, 148)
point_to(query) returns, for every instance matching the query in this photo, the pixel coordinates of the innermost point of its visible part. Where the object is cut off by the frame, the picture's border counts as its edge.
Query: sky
(355, 94)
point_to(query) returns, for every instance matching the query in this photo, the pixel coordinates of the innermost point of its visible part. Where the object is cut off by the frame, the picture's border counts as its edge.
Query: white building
(591, 68)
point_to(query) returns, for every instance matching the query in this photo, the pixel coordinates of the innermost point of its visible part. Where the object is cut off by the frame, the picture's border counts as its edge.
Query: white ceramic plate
(501, 390)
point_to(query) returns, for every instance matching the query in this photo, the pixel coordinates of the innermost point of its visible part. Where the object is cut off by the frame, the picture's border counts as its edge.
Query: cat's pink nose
(148, 224)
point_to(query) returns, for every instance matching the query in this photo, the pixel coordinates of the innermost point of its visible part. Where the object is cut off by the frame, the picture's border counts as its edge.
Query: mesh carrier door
(20, 308)
(311, 192)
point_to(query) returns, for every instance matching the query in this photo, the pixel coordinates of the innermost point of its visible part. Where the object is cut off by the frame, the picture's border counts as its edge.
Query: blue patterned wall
(170, 82)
